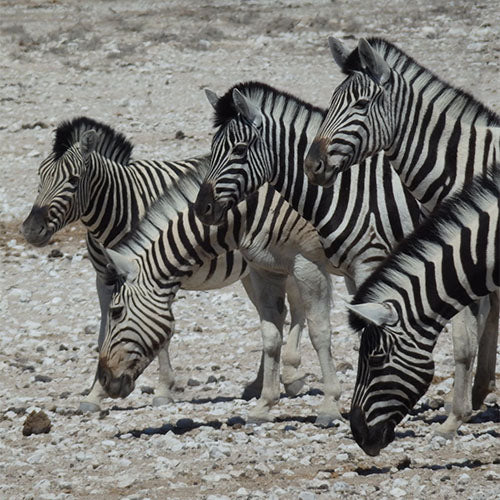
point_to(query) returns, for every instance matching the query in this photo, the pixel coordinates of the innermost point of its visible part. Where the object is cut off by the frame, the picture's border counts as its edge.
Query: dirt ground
(141, 68)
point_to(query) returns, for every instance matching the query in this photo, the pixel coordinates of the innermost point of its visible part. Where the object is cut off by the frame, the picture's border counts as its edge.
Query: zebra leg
(92, 402)
(254, 388)
(465, 326)
(166, 381)
(484, 381)
(270, 294)
(291, 376)
(315, 290)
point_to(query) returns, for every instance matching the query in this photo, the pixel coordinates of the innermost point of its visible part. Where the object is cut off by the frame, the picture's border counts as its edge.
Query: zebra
(89, 176)
(437, 138)
(171, 249)
(451, 260)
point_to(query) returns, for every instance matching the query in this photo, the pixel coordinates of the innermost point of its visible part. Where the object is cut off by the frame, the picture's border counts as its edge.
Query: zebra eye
(240, 149)
(116, 312)
(73, 180)
(361, 104)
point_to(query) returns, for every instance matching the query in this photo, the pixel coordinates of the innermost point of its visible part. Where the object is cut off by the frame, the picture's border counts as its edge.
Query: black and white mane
(111, 144)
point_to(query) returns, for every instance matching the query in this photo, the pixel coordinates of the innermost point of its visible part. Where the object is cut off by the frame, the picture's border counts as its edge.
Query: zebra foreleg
(92, 402)
(166, 382)
(465, 326)
(292, 377)
(270, 298)
(315, 290)
(484, 381)
(254, 388)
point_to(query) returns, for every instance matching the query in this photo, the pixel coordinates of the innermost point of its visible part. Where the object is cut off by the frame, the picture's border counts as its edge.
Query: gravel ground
(141, 67)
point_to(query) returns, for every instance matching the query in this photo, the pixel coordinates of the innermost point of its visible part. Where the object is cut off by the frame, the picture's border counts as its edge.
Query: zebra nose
(34, 228)
(314, 163)
(204, 204)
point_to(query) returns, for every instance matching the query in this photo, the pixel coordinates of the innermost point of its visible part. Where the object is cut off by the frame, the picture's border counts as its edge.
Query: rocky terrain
(141, 67)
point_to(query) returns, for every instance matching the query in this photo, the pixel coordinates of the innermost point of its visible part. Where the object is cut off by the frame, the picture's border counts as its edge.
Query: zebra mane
(111, 144)
(164, 210)
(258, 92)
(463, 103)
(446, 220)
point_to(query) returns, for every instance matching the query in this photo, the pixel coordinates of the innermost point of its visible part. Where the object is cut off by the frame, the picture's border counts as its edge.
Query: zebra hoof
(162, 401)
(295, 387)
(89, 407)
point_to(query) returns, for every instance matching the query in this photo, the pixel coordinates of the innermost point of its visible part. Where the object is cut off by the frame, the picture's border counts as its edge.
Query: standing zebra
(170, 250)
(437, 138)
(90, 177)
(262, 136)
(451, 260)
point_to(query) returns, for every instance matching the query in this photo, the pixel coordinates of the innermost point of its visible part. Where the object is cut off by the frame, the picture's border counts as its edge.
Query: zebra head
(393, 373)
(240, 162)
(359, 121)
(61, 192)
(139, 322)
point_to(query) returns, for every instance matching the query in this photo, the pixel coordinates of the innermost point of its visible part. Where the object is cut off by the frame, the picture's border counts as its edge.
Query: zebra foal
(171, 249)
(437, 138)
(451, 260)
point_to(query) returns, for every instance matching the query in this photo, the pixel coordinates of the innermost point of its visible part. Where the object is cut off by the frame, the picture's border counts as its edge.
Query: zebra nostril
(208, 209)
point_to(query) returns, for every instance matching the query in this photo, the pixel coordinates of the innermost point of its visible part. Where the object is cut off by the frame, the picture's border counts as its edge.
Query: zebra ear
(338, 50)
(247, 108)
(123, 265)
(212, 97)
(379, 314)
(373, 63)
(88, 142)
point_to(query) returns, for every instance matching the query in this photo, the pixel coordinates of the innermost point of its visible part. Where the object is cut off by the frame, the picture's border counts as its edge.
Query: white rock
(397, 492)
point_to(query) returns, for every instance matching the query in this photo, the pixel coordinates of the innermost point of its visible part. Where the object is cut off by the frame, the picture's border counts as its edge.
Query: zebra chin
(370, 439)
(35, 229)
(115, 387)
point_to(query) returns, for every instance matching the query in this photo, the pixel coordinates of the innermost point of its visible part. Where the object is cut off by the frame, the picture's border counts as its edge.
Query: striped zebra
(262, 136)
(437, 138)
(451, 260)
(90, 177)
(171, 249)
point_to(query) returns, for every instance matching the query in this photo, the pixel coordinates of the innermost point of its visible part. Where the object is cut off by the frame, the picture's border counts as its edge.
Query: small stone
(463, 479)
(65, 395)
(491, 475)
(344, 366)
(307, 495)
(192, 382)
(398, 492)
(146, 389)
(180, 135)
(185, 423)
(37, 422)
(89, 330)
(436, 403)
(55, 253)
(42, 378)
(211, 379)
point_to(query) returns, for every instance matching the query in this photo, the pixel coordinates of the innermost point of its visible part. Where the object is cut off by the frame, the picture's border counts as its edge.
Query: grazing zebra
(437, 138)
(90, 177)
(451, 260)
(169, 250)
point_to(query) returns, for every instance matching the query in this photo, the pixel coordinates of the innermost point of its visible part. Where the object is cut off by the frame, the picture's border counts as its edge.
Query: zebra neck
(439, 148)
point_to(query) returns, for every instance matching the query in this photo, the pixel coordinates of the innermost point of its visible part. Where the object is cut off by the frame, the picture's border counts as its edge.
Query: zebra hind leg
(484, 381)
(315, 290)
